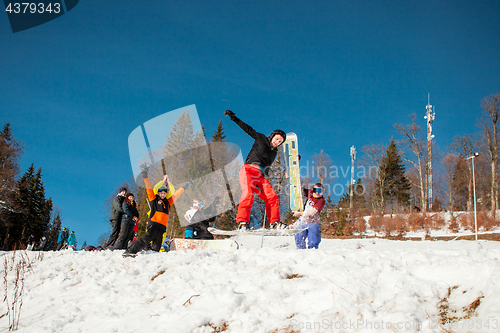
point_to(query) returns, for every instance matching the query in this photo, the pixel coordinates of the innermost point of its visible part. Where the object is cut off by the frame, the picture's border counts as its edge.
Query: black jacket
(261, 153)
(129, 213)
(116, 208)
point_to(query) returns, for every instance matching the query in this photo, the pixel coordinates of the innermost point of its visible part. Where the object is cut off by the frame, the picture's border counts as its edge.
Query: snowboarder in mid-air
(252, 174)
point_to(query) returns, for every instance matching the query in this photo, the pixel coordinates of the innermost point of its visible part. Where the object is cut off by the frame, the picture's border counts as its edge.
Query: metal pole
(353, 157)
(474, 191)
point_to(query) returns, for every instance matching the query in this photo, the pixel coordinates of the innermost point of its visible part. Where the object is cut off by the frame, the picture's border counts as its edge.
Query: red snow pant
(252, 181)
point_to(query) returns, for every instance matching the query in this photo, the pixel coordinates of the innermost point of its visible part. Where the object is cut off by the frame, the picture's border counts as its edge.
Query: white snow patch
(358, 285)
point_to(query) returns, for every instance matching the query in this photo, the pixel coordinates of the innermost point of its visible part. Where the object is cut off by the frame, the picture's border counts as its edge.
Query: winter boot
(277, 225)
(242, 226)
(128, 254)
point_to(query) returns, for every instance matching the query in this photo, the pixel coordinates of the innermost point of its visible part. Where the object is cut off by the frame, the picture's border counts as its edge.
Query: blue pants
(189, 232)
(312, 234)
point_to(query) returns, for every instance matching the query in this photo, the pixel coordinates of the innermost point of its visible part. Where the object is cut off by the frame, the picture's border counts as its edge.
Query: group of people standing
(32, 246)
(67, 240)
(252, 176)
(124, 218)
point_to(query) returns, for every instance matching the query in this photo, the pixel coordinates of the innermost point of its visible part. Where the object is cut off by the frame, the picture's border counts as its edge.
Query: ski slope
(358, 285)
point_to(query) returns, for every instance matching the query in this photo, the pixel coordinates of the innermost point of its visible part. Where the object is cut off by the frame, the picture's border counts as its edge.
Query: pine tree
(185, 153)
(54, 230)
(10, 151)
(393, 186)
(221, 154)
(186, 157)
(327, 216)
(219, 135)
(358, 198)
(33, 214)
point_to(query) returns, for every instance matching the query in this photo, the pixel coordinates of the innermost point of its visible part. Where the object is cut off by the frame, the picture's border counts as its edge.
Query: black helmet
(278, 132)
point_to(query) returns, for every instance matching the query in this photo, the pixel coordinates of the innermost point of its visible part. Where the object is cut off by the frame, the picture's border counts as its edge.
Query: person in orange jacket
(158, 218)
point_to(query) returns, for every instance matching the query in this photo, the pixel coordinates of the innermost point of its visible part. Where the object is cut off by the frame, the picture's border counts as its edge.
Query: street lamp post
(474, 191)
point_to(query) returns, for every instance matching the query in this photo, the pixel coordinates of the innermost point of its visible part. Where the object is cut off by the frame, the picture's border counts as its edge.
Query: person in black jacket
(199, 219)
(64, 239)
(256, 167)
(116, 216)
(130, 215)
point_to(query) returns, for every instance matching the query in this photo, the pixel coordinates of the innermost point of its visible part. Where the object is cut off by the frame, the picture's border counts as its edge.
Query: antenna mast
(430, 116)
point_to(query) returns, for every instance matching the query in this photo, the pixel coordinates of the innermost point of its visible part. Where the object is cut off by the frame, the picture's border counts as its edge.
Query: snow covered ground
(441, 232)
(356, 285)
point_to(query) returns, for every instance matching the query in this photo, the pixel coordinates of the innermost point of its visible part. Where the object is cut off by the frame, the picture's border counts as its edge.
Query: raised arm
(248, 129)
(165, 182)
(149, 188)
(176, 195)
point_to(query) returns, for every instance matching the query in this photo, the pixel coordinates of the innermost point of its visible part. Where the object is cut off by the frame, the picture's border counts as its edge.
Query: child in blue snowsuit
(309, 218)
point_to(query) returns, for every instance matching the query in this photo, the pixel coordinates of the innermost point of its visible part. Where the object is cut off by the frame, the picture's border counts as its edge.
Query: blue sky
(338, 73)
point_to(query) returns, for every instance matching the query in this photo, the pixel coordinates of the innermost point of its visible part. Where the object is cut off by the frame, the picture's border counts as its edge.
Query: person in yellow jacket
(158, 217)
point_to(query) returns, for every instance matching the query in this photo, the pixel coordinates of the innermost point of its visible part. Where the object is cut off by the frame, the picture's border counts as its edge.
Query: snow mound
(357, 285)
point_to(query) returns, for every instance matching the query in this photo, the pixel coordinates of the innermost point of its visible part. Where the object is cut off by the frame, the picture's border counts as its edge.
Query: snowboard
(256, 232)
(291, 152)
(203, 244)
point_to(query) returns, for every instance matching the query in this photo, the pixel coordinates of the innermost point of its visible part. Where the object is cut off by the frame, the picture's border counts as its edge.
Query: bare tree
(322, 163)
(491, 107)
(414, 143)
(449, 162)
(320, 171)
(371, 160)
(466, 145)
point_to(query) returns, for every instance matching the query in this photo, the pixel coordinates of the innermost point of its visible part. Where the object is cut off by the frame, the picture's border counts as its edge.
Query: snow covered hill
(358, 285)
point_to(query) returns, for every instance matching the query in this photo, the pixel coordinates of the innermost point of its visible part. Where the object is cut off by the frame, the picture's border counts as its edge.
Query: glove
(188, 183)
(230, 114)
(144, 170)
